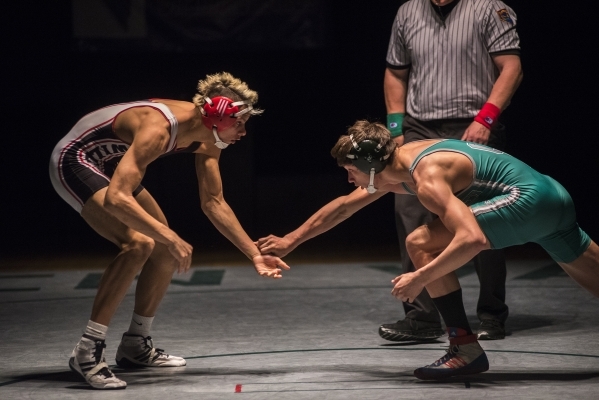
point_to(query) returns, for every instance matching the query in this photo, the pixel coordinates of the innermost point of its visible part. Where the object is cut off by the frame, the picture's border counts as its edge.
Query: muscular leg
(158, 270)
(409, 215)
(135, 250)
(422, 321)
(424, 245)
(585, 269)
(464, 356)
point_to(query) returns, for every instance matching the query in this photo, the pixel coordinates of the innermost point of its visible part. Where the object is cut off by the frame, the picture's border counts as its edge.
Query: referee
(452, 68)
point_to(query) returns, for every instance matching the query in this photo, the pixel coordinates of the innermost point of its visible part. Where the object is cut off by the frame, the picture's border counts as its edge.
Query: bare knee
(162, 258)
(416, 243)
(140, 247)
(418, 238)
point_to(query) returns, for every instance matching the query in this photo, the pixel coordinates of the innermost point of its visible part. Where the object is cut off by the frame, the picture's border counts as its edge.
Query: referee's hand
(476, 133)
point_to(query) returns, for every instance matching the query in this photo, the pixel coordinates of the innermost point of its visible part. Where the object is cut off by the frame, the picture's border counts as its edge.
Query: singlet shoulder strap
(170, 117)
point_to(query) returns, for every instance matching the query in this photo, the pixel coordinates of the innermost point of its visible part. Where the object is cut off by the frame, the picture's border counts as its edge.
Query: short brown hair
(360, 131)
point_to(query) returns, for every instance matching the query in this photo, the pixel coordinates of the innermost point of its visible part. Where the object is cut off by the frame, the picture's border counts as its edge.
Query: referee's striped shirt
(451, 70)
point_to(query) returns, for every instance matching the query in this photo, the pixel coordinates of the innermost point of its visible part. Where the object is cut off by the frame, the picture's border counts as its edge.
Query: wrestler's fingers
(282, 264)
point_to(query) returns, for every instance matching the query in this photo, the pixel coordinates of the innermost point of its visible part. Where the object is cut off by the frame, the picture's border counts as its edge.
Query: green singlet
(515, 204)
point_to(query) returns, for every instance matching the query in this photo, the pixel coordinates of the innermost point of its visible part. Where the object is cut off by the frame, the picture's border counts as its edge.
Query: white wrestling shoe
(88, 361)
(137, 351)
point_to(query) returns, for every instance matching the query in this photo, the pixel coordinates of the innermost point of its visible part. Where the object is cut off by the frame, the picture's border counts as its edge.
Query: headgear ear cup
(369, 157)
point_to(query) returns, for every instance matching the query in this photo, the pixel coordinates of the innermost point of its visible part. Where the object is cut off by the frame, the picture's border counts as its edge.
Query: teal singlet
(515, 204)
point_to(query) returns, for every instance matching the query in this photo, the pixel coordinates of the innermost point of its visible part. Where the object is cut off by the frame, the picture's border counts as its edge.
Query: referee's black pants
(410, 214)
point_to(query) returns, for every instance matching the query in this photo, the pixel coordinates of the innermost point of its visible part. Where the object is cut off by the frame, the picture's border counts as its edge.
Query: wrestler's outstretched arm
(222, 216)
(324, 219)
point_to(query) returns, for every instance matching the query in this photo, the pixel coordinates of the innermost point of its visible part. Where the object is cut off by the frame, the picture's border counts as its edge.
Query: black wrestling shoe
(411, 330)
(491, 329)
(460, 359)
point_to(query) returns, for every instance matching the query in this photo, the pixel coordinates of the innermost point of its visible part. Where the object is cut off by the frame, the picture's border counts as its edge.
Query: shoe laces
(100, 345)
(450, 352)
(155, 352)
(99, 357)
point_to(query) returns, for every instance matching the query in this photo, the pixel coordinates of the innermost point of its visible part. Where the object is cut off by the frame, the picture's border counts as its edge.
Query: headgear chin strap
(217, 142)
(220, 113)
(369, 157)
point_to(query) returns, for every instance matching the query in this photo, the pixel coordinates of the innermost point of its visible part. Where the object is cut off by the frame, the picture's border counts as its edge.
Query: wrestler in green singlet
(515, 204)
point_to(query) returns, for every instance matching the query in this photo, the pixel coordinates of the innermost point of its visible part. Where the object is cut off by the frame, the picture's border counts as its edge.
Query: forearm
(323, 220)
(225, 221)
(506, 85)
(395, 89)
(459, 251)
(127, 210)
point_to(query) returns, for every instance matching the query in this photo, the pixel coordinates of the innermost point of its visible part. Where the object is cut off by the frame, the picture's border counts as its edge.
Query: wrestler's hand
(407, 287)
(275, 245)
(476, 133)
(181, 251)
(269, 266)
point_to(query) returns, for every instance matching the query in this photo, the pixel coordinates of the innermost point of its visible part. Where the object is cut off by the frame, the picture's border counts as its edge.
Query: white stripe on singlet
(445, 81)
(85, 127)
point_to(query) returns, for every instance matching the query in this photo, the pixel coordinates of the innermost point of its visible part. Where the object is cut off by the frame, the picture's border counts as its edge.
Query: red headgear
(221, 112)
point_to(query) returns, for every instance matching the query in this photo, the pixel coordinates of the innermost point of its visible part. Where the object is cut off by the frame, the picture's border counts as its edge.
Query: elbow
(206, 207)
(343, 214)
(209, 206)
(477, 241)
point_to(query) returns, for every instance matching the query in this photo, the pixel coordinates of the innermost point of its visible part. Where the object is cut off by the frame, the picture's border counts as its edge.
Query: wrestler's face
(357, 177)
(236, 131)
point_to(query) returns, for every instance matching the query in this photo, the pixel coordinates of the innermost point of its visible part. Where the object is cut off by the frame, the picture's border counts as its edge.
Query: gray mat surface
(311, 335)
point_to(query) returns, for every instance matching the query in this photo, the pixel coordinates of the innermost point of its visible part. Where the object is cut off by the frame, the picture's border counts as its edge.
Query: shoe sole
(126, 363)
(395, 336)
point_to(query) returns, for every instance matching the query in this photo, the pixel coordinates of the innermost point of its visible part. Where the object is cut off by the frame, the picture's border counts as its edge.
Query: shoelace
(99, 351)
(99, 357)
(449, 353)
(156, 352)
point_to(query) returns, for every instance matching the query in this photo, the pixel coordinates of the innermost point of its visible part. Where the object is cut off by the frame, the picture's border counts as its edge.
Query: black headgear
(369, 157)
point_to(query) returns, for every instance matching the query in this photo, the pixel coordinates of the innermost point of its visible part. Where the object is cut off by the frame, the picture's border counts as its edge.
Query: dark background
(314, 79)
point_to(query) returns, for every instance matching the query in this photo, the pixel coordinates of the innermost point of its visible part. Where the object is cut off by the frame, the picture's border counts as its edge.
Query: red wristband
(488, 115)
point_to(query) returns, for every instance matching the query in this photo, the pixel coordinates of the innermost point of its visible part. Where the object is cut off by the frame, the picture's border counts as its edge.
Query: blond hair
(360, 131)
(225, 84)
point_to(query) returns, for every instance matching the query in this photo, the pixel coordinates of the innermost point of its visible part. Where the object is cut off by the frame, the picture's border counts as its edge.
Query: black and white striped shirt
(451, 69)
